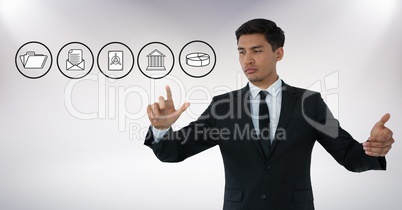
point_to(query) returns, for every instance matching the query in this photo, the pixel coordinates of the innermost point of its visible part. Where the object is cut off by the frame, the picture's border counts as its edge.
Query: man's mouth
(250, 70)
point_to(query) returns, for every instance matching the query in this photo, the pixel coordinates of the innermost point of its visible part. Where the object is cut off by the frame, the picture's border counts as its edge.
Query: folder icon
(30, 60)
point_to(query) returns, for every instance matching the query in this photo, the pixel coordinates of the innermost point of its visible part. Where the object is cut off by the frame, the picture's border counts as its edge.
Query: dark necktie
(264, 123)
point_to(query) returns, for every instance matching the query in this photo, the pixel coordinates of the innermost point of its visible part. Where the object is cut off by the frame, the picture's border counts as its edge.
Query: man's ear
(279, 53)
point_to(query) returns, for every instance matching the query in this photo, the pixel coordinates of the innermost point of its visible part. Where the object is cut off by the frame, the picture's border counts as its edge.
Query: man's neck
(265, 83)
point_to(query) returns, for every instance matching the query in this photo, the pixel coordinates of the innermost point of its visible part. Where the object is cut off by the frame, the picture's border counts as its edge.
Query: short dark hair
(273, 34)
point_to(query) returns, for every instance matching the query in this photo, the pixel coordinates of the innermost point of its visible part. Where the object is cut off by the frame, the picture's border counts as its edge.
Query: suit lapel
(289, 98)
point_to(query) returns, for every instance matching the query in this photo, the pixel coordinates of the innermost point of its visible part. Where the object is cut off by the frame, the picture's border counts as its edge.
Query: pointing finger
(168, 93)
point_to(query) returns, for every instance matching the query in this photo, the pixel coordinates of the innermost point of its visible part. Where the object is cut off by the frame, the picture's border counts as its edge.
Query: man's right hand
(162, 114)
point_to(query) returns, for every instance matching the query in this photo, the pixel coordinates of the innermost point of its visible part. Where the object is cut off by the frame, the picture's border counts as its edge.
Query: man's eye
(257, 51)
(242, 52)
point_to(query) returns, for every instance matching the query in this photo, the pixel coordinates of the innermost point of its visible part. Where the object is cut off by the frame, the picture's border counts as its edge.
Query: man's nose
(249, 59)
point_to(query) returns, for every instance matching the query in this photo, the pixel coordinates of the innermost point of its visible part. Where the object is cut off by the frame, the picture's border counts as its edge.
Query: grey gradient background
(91, 156)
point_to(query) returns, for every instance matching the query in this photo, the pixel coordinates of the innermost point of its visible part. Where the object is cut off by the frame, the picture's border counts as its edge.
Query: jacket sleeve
(176, 146)
(340, 144)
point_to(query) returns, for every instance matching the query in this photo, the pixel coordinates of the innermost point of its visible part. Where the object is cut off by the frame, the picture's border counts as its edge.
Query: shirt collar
(273, 90)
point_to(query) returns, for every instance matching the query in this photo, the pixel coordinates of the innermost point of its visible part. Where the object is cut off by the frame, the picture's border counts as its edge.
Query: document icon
(75, 60)
(33, 61)
(115, 60)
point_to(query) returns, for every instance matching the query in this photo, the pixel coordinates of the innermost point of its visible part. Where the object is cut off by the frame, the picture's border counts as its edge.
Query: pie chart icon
(197, 59)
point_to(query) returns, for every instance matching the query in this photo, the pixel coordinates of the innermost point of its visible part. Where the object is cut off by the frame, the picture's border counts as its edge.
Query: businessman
(265, 131)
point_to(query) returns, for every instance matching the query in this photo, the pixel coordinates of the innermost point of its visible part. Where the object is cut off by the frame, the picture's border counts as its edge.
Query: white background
(91, 155)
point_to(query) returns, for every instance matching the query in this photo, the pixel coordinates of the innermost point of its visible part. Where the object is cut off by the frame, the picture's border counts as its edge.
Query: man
(266, 131)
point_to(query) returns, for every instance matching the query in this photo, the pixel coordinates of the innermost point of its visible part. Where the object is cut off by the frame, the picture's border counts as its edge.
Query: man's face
(257, 59)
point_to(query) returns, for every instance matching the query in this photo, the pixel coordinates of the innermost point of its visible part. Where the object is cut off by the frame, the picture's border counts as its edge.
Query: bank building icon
(156, 61)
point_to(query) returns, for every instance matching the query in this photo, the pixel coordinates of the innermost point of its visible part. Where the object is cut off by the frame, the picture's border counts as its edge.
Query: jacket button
(263, 196)
(268, 167)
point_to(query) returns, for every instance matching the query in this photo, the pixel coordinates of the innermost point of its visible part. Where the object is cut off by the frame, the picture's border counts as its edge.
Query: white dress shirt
(274, 101)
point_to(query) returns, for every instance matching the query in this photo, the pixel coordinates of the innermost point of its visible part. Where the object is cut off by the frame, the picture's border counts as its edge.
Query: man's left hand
(380, 141)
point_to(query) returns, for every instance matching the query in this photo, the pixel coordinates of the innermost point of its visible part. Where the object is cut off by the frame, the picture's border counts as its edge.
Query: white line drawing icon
(115, 62)
(75, 60)
(197, 59)
(156, 61)
(30, 60)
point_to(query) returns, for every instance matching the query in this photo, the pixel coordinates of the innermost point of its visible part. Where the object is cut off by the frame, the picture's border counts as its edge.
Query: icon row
(115, 60)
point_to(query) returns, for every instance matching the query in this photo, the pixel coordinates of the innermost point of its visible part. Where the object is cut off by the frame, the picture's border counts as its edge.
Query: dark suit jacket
(281, 179)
